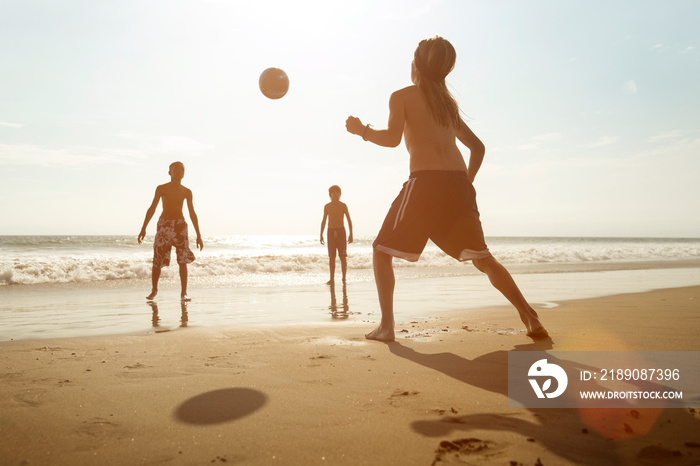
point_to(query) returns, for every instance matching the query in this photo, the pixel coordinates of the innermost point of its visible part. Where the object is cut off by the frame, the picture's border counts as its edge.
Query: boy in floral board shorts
(172, 228)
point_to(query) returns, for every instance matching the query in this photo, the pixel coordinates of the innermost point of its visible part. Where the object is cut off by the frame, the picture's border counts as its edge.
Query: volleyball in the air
(274, 83)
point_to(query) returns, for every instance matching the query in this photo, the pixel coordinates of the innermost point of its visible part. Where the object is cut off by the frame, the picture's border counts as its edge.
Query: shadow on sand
(583, 436)
(218, 406)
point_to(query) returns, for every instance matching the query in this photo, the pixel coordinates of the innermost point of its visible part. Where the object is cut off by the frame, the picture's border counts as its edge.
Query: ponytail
(434, 60)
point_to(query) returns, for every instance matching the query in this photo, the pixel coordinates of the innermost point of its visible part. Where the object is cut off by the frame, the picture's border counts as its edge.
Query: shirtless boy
(336, 212)
(438, 201)
(172, 228)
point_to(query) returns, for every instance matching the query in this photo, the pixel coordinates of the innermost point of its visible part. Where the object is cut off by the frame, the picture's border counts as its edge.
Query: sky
(589, 111)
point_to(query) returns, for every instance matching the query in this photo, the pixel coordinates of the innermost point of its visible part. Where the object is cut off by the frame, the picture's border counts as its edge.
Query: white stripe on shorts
(404, 202)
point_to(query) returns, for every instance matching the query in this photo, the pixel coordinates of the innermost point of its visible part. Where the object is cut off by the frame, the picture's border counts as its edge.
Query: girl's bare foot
(184, 297)
(381, 334)
(152, 295)
(535, 329)
(538, 334)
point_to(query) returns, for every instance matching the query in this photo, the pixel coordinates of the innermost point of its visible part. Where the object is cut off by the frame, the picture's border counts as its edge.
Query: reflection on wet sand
(155, 319)
(342, 311)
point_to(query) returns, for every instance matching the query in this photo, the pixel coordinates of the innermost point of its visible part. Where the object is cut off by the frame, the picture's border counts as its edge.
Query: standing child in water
(438, 201)
(335, 212)
(172, 228)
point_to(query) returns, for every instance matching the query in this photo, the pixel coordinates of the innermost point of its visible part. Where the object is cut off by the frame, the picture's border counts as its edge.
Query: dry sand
(323, 395)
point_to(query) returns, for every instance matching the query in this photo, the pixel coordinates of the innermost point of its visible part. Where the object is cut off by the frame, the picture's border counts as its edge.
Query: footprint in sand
(141, 371)
(465, 451)
(316, 360)
(11, 375)
(138, 365)
(441, 412)
(94, 432)
(401, 395)
(30, 396)
(220, 361)
(422, 334)
(49, 348)
(97, 427)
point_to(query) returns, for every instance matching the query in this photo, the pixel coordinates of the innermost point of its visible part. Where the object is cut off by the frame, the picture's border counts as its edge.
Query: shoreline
(106, 308)
(322, 394)
(114, 308)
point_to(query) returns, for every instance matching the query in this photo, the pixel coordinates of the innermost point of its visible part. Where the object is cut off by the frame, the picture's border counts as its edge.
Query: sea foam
(34, 260)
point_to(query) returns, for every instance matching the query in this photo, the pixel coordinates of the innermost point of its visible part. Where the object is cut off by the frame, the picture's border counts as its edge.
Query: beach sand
(322, 394)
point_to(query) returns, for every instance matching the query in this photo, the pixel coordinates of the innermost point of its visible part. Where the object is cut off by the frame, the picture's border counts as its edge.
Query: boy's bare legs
(183, 283)
(183, 317)
(344, 266)
(331, 266)
(385, 280)
(501, 279)
(155, 276)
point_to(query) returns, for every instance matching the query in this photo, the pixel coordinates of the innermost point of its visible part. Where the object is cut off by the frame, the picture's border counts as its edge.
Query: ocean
(57, 286)
(298, 260)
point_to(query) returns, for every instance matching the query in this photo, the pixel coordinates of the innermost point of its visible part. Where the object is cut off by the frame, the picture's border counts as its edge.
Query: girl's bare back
(430, 145)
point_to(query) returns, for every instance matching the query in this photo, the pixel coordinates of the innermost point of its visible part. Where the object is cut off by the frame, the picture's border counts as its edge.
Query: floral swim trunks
(171, 233)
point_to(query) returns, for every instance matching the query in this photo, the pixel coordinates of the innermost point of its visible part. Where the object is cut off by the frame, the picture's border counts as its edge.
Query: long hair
(434, 59)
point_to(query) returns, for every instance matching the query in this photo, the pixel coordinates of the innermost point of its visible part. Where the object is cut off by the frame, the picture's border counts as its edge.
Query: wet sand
(322, 394)
(119, 306)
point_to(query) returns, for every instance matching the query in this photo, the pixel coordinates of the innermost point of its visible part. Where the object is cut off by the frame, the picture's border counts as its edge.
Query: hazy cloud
(165, 144)
(537, 141)
(11, 125)
(29, 154)
(528, 146)
(666, 136)
(630, 87)
(603, 141)
(549, 137)
(674, 135)
(413, 10)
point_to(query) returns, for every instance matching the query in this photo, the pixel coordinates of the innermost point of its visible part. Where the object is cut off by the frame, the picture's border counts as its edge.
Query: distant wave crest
(65, 268)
